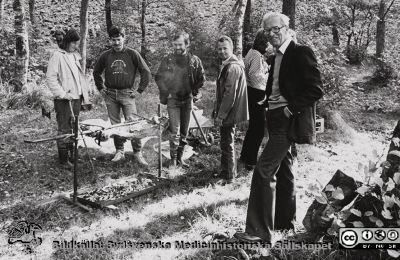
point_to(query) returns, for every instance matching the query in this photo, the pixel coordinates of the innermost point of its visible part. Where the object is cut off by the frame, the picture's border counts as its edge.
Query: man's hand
(261, 102)
(103, 93)
(67, 96)
(287, 112)
(218, 121)
(396, 141)
(156, 119)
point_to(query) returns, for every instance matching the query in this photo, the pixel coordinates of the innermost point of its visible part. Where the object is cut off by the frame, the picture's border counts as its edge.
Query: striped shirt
(256, 70)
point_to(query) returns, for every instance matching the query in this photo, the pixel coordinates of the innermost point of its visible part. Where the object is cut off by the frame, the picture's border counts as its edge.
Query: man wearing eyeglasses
(292, 88)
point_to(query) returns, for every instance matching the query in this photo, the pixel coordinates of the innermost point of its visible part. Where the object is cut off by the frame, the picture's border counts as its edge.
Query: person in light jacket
(68, 85)
(231, 104)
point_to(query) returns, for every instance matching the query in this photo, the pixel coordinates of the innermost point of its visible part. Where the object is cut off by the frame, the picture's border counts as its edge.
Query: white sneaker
(140, 159)
(119, 155)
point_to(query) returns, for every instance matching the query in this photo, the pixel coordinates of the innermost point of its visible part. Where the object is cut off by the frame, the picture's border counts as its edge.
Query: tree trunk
(32, 11)
(108, 14)
(335, 35)
(143, 50)
(247, 33)
(289, 9)
(84, 31)
(238, 29)
(1, 13)
(21, 45)
(380, 29)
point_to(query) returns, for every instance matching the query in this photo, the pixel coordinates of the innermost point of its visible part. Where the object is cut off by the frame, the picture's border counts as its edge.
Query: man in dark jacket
(293, 87)
(231, 104)
(179, 78)
(120, 65)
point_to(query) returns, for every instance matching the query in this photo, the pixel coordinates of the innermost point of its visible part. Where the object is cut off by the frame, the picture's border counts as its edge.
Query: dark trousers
(64, 116)
(228, 161)
(179, 112)
(272, 201)
(255, 132)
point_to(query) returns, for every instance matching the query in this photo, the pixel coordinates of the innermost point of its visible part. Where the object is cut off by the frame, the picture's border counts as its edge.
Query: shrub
(203, 38)
(376, 204)
(383, 73)
(32, 96)
(355, 54)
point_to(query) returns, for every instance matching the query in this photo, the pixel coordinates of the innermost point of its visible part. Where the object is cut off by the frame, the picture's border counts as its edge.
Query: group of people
(271, 93)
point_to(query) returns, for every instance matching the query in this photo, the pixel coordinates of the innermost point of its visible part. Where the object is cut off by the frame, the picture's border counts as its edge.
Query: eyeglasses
(274, 29)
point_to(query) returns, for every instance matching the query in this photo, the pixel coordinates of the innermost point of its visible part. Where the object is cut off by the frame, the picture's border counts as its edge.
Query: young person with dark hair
(257, 75)
(179, 78)
(68, 84)
(120, 65)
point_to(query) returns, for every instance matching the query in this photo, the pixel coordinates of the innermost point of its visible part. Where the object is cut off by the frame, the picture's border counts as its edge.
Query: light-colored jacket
(61, 79)
(231, 105)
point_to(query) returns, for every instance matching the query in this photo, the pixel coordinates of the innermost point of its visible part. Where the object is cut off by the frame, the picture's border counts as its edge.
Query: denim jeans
(117, 100)
(272, 201)
(228, 161)
(179, 112)
(64, 116)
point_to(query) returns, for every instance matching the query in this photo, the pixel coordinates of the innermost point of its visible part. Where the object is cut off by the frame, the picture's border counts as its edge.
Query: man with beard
(120, 65)
(230, 106)
(179, 78)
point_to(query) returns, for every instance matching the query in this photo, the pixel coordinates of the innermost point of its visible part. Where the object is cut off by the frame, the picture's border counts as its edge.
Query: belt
(115, 89)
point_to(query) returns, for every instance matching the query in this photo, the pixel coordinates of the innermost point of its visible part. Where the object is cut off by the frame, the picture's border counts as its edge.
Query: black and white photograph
(199, 129)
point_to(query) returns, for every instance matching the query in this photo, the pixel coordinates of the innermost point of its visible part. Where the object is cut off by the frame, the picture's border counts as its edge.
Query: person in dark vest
(179, 78)
(231, 105)
(293, 88)
(68, 84)
(257, 75)
(120, 65)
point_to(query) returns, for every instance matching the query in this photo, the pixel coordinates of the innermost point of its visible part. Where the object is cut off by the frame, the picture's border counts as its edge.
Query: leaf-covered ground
(188, 209)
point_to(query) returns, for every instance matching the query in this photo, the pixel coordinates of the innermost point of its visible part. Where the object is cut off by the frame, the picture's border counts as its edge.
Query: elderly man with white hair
(293, 88)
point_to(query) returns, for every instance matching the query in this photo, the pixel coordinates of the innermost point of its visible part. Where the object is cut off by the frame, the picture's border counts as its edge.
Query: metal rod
(87, 151)
(76, 126)
(72, 111)
(49, 138)
(201, 129)
(159, 143)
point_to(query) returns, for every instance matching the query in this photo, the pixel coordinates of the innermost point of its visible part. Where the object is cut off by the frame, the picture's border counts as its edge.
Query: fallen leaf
(379, 223)
(373, 219)
(368, 213)
(357, 224)
(386, 214)
(329, 188)
(338, 194)
(396, 153)
(393, 253)
(356, 212)
(321, 199)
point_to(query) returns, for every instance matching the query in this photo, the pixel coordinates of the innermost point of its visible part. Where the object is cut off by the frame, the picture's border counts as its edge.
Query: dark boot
(63, 159)
(172, 153)
(179, 157)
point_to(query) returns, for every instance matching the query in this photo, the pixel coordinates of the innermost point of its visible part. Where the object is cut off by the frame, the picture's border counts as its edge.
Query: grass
(192, 208)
